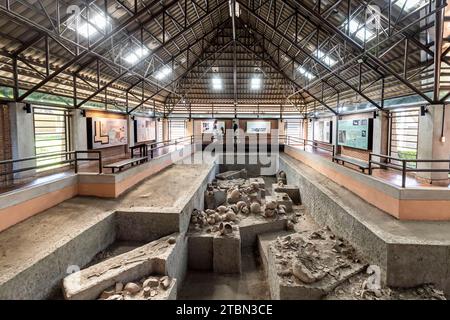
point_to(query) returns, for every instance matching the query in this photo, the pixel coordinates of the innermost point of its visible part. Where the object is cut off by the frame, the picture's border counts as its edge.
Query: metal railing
(72, 157)
(404, 165)
(147, 149)
(311, 143)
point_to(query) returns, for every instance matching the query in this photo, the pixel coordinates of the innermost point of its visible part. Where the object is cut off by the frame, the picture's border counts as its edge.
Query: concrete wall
(79, 131)
(22, 137)
(430, 145)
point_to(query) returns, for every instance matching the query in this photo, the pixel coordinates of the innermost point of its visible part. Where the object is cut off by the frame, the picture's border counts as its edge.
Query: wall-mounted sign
(106, 132)
(258, 126)
(144, 129)
(356, 133)
(208, 126)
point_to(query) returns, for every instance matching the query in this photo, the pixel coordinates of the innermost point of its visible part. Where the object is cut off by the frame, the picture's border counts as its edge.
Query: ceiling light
(137, 55)
(162, 73)
(305, 73)
(326, 58)
(255, 83)
(362, 33)
(409, 4)
(97, 23)
(217, 83)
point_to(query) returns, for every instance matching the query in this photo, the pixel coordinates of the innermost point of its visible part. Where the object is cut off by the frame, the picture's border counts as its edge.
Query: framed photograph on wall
(208, 126)
(144, 129)
(106, 132)
(258, 127)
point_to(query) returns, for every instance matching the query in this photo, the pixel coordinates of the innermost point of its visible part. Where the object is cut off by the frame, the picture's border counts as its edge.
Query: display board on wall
(106, 132)
(144, 129)
(258, 126)
(355, 133)
(208, 126)
(322, 130)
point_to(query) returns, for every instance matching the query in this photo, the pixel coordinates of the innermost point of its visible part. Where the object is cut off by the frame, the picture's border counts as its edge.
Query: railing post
(403, 173)
(370, 163)
(76, 162)
(100, 165)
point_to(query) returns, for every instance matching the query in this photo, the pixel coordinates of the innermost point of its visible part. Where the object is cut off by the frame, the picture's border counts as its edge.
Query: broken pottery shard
(164, 282)
(106, 294)
(151, 282)
(302, 272)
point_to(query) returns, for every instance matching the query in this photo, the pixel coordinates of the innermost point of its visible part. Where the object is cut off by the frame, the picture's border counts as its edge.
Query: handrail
(70, 160)
(312, 143)
(149, 148)
(403, 167)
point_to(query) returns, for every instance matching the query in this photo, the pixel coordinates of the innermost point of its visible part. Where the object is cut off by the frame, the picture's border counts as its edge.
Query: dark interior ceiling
(277, 40)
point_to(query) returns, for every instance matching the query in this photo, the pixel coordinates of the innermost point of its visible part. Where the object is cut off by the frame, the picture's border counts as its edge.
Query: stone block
(227, 253)
(200, 251)
(292, 191)
(281, 199)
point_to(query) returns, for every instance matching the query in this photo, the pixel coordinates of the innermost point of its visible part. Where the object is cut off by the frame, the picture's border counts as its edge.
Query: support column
(380, 133)
(165, 123)
(22, 138)
(434, 125)
(79, 131)
(130, 126)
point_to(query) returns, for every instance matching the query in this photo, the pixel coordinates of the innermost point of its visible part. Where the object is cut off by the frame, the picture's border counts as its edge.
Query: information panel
(354, 133)
(258, 126)
(144, 129)
(106, 132)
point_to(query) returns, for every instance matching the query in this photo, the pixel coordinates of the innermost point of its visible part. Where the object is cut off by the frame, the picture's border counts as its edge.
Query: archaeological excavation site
(238, 150)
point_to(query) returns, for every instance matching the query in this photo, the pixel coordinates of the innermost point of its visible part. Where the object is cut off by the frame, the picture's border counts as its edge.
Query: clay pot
(240, 205)
(234, 208)
(245, 210)
(171, 240)
(222, 209)
(194, 219)
(272, 205)
(211, 220)
(269, 213)
(255, 208)
(235, 194)
(230, 216)
(210, 212)
(132, 288)
(225, 228)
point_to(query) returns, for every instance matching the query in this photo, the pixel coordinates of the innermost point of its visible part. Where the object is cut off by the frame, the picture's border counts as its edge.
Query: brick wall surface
(355, 153)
